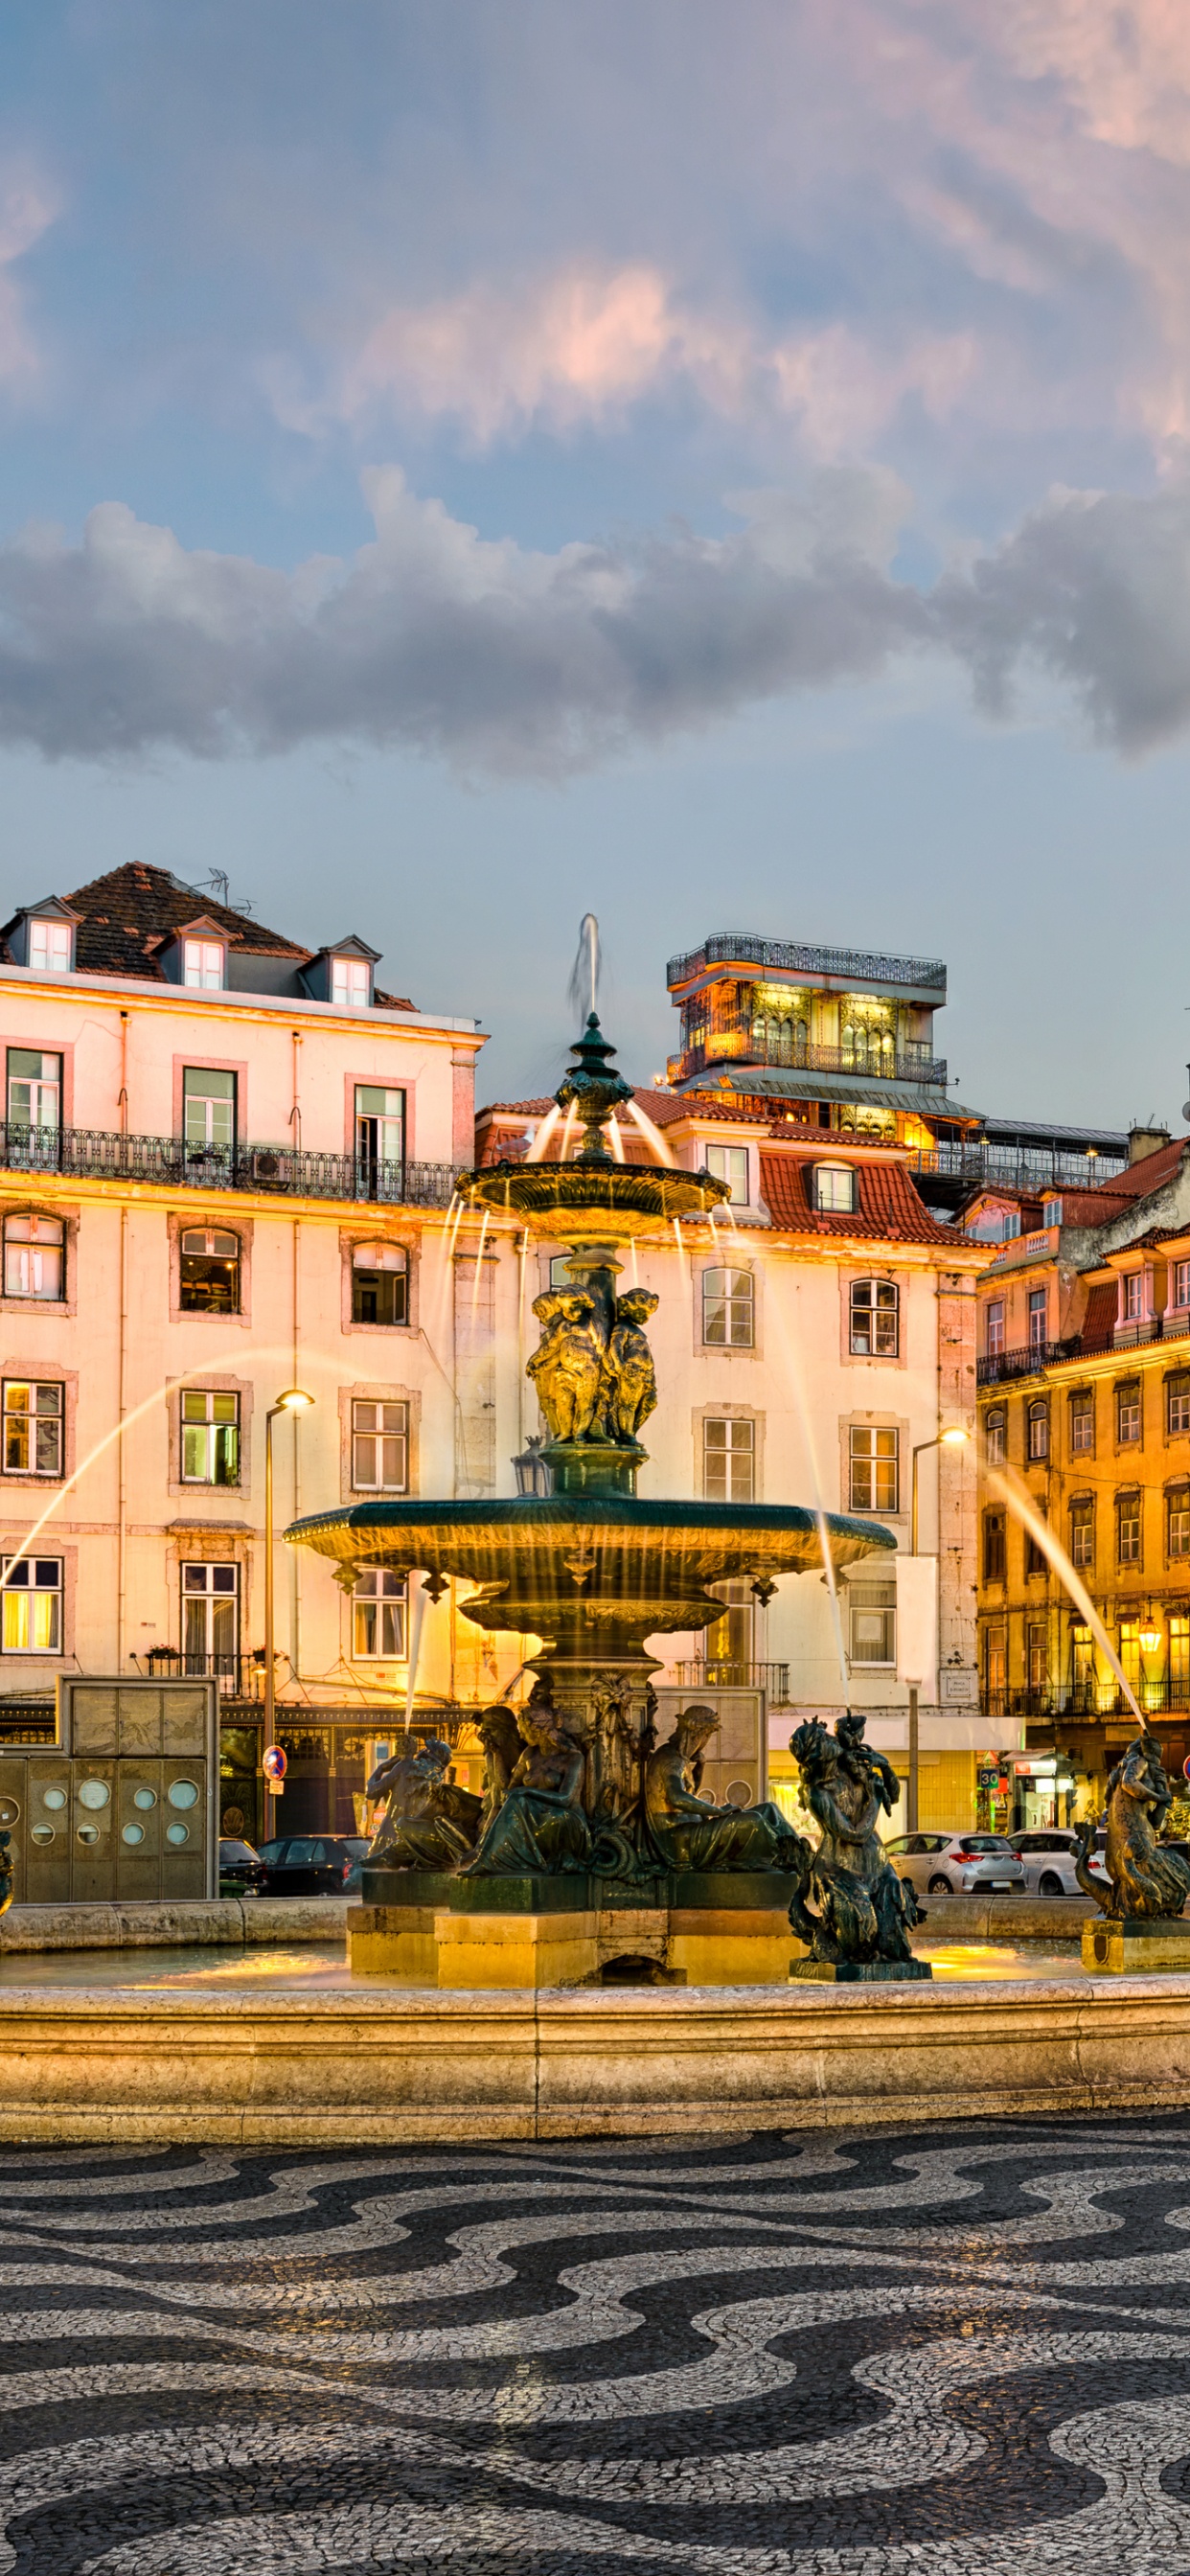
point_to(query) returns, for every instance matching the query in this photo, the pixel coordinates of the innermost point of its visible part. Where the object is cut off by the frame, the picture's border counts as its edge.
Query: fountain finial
(594, 1088)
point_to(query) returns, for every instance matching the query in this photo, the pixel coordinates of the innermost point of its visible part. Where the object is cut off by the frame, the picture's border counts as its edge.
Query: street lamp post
(955, 1438)
(294, 1400)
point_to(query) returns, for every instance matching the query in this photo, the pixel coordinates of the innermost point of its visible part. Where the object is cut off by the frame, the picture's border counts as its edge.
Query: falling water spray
(1023, 1509)
(583, 988)
(417, 1612)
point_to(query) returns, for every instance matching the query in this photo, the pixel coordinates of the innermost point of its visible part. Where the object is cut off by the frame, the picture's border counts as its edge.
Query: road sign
(275, 1762)
(988, 1779)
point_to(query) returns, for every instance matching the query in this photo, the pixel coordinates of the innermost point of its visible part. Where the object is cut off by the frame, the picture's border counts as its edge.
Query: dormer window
(202, 965)
(351, 981)
(834, 1189)
(730, 1163)
(50, 945)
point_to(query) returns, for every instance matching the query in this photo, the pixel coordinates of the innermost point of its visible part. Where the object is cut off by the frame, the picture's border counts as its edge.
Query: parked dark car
(313, 1864)
(241, 1870)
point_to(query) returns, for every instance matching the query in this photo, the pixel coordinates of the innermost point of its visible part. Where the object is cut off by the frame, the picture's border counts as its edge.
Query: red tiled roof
(889, 1210)
(1151, 1173)
(124, 914)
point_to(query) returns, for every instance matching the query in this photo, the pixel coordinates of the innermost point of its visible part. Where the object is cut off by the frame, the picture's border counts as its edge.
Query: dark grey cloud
(501, 659)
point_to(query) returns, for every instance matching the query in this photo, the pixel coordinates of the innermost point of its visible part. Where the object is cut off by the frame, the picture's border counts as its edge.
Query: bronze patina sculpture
(568, 1368)
(862, 1912)
(428, 1822)
(540, 1827)
(1146, 1879)
(691, 1833)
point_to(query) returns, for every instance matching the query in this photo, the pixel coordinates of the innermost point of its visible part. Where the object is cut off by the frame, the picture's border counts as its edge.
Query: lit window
(209, 1108)
(378, 1616)
(379, 1447)
(210, 1438)
(210, 1619)
(1082, 1423)
(993, 1547)
(202, 965)
(727, 1309)
(1177, 1402)
(49, 946)
(210, 1281)
(1132, 1297)
(1082, 1531)
(1177, 1521)
(1181, 1283)
(33, 1256)
(32, 1596)
(1038, 1308)
(875, 1318)
(730, 1163)
(1127, 1415)
(350, 980)
(1179, 1647)
(834, 1188)
(1128, 1529)
(1039, 1430)
(873, 1614)
(994, 1428)
(34, 1089)
(32, 1427)
(379, 1284)
(995, 1328)
(728, 1461)
(875, 1468)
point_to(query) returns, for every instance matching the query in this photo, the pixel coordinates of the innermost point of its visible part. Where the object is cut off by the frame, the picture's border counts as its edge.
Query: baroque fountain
(591, 1846)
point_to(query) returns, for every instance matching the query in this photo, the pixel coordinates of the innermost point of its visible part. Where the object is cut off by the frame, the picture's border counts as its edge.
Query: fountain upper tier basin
(585, 1563)
(590, 1201)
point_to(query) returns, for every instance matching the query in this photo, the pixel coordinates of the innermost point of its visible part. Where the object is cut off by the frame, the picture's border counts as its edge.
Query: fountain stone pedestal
(1126, 1949)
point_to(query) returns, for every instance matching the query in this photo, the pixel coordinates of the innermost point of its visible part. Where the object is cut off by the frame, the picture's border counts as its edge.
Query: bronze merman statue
(630, 1379)
(1145, 1878)
(540, 1827)
(863, 1910)
(691, 1833)
(567, 1368)
(503, 1746)
(428, 1822)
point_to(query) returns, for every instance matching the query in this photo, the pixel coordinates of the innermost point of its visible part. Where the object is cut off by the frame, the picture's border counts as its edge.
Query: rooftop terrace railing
(92, 1154)
(868, 965)
(750, 1045)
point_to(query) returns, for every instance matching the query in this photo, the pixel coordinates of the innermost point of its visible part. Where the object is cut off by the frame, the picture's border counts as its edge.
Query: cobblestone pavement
(952, 2351)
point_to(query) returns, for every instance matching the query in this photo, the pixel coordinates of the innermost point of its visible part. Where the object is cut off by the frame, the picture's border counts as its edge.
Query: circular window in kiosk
(94, 1793)
(88, 1833)
(182, 1793)
(10, 1813)
(53, 1799)
(144, 1797)
(42, 1834)
(177, 1833)
(133, 1834)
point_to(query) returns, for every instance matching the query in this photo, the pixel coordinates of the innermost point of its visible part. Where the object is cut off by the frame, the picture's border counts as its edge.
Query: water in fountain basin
(1021, 1506)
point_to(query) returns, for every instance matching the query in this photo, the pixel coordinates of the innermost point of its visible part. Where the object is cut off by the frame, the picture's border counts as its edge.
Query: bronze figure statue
(691, 1833)
(540, 1826)
(503, 1746)
(428, 1823)
(1146, 1879)
(567, 1367)
(863, 1911)
(630, 1379)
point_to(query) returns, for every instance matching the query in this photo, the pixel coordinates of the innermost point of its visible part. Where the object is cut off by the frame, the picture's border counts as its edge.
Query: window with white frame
(730, 1163)
(1177, 1521)
(351, 981)
(380, 1140)
(1128, 1414)
(208, 1108)
(1180, 1283)
(1038, 1313)
(729, 1460)
(728, 1309)
(875, 1468)
(1082, 1530)
(995, 1328)
(34, 1257)
(210, 1271)
(50, 945)
(33, 1424)
(872, 1611)
(994, 1435)
(875, 1319)
(378, 1616)
(34, 1089)
(380, 1284)
(1037, 1422)
(31, 1597)
(1082, 1422)
(834, 1189)
(1128, 1529)
(210, 1619)
(210, 1437)
(1132, 1296)
(379, 1446)
(1177, 1402)
(202, 965)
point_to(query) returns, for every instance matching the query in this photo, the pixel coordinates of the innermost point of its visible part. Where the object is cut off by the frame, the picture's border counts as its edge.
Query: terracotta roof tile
(889, 1210)
(123, 914)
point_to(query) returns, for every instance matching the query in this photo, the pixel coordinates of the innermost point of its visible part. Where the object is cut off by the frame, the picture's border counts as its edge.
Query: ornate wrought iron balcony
(725, 1673)
(92, 1154)
(867, 966)
(741, 1042)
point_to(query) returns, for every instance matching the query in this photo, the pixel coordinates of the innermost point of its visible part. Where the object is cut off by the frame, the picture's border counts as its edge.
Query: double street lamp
(294, 1400)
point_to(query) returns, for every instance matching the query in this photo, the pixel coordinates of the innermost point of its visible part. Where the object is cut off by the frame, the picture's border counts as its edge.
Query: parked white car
(1048, 1853)
(956, 1864)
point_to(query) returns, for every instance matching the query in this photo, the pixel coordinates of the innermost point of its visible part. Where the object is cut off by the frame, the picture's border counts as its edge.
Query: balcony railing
(1087, 1699)
(741, 1042)
(94, 1154)
(238, 1676)
(996, 1367)
(868, 966)
(724, 1673)
(1036, 1168)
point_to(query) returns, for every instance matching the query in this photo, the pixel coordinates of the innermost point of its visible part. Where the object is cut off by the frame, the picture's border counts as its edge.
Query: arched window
(994, 1435)
(34, 1256)
(875, 1318)
(380, 1284)
(834, 1188)
(210, 1282)
(1039, 1428)
(728, 1309)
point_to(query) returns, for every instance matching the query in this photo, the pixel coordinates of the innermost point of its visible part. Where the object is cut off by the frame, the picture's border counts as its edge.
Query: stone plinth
(1142, 1941)
(860, 1972)
(427, 1945)
(730, 1946)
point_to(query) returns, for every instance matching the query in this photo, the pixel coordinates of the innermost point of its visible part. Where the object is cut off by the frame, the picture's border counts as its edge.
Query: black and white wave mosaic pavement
(912, 2353)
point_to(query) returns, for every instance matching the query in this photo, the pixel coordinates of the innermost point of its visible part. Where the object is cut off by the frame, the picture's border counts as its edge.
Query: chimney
(1143, 1141)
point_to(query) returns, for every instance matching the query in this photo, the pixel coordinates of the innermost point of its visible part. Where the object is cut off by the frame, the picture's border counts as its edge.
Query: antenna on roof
(220, 884)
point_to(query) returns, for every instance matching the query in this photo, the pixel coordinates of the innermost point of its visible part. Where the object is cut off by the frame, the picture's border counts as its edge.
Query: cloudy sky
(724, 468)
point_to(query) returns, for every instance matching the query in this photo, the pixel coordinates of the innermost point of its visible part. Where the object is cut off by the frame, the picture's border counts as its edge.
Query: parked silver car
(1048, 1853)
(956, 1864)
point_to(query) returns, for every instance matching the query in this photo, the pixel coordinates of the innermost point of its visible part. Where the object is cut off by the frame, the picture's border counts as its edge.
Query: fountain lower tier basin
(370, 2066)
(596, 1570)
